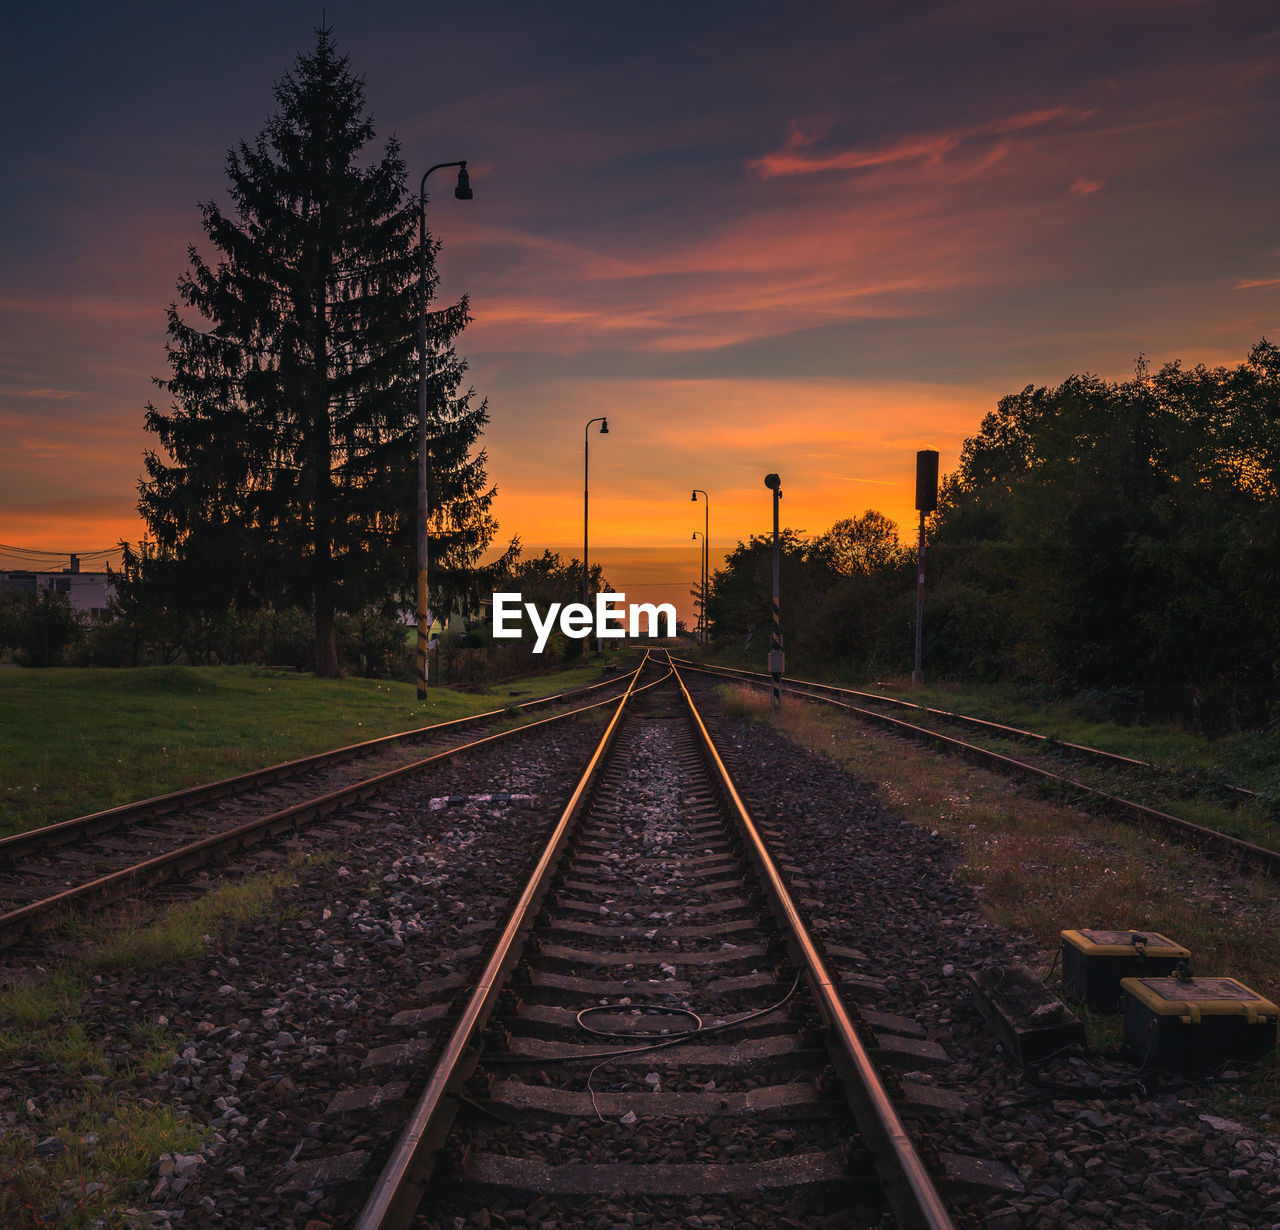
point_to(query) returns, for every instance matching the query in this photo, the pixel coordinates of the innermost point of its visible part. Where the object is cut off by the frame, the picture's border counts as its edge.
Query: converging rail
(1205, 839)
(38, 840)
(653, 937)
(807, 687)
(76, 877)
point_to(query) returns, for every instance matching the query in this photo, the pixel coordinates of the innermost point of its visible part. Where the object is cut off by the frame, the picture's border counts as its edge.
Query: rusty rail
(910, 1190)
(1199, 836)
(399, 1187)
(19, 845)
(16, 923)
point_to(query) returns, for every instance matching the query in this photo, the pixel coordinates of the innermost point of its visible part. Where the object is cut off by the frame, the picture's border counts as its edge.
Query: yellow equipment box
(1094, 962)
(1197, 1024)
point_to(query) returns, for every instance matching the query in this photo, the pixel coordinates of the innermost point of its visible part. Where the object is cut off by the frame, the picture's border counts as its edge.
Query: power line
(40, 559)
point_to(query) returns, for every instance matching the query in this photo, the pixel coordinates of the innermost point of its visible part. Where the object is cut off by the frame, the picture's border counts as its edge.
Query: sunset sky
(809, 238)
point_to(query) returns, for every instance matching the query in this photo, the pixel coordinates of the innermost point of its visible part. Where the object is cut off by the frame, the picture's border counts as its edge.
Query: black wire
(603, 1056)
(637, 1033)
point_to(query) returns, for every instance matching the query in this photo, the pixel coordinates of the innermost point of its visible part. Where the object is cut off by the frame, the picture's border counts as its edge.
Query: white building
(89, 592)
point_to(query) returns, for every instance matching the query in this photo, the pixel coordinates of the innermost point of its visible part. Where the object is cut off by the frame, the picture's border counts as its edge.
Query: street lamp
(776, 660)
(706, 558)
(463, 193)
(586, 572)
(702, 621)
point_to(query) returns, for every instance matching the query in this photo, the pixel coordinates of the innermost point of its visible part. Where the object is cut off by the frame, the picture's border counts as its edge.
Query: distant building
(88, 592)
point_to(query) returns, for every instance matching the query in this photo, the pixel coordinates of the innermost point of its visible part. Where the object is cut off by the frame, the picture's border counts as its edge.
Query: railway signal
(926, 502)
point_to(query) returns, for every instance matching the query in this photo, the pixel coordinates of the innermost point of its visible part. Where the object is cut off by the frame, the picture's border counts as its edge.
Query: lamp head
(604, 427)
(694, 497)
(463, 190)
(772, 481)
(694, 536)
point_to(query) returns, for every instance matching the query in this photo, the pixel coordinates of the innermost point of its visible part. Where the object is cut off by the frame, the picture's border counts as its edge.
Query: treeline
(152, 621)
(143, 626)
(1121, 539)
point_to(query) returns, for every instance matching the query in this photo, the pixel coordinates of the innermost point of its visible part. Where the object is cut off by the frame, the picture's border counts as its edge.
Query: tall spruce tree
(290, 438)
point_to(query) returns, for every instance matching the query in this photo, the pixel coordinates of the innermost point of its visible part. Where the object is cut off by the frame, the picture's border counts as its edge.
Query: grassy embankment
(78, 741)
(1042, 866)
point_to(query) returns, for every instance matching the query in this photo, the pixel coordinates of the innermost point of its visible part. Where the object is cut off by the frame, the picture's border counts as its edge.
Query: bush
(46, 627)
(373, 643)
(110, 642)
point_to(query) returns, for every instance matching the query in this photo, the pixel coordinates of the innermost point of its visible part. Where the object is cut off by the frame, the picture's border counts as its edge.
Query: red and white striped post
(777, 660)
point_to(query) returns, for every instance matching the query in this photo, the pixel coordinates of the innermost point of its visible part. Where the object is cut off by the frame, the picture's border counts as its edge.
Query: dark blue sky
(807, 238)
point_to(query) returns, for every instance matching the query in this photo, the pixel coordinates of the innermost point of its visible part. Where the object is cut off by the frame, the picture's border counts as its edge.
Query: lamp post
(706, 558)
(586, 571)
(702, 621)
(463, 193)
(777, 662)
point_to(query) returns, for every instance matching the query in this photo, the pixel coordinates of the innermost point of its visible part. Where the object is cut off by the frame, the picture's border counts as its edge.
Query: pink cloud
(929, 147)
(44, 394)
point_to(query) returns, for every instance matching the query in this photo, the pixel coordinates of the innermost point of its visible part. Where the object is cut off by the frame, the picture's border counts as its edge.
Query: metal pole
(702, 620)
(424, 618)
(917, 675)
(776, 660)
(706, 567)
(926, 502)
(586, 572)
(706, 558)
(423, 613)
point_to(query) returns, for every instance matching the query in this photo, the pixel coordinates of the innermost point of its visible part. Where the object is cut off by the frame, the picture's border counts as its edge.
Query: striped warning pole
(776, 660)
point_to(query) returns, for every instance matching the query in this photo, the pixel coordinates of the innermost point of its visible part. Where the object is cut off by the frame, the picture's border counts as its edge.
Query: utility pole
(586, 571)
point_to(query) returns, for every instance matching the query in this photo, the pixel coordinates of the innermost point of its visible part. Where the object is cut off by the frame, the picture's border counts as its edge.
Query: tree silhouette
(290, 452)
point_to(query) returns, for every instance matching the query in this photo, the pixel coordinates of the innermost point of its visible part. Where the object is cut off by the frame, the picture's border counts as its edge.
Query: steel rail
(909, 1187)
(964, 719)
(398, 1190)
(17, 923)
(1196, 835)
(19, 845)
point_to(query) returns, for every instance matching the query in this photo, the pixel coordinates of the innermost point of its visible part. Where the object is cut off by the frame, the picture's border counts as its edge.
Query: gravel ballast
(889, 889)
(280, 1016)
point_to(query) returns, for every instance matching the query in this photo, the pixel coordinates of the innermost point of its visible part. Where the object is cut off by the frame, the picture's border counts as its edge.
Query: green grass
(183, 931)
(79, 741)
(1042, 866)
(92, 1181)
(1246, 758)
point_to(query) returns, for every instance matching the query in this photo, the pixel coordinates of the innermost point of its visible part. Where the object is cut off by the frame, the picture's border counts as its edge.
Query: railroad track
(655, 1030)
(95, 859)
(1203, 838)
